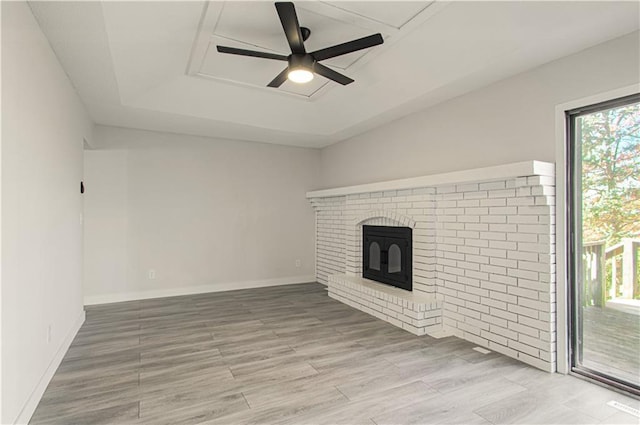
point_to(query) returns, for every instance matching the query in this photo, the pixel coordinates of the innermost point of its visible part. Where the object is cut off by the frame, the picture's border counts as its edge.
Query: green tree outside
(611, 176)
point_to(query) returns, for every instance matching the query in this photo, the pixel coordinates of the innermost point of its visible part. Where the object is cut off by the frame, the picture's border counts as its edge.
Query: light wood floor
(292, 355)
(611, 342)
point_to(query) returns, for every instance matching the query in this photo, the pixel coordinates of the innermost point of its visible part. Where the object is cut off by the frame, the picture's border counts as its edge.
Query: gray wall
(205, 214)
(511, 120)
(43, 126)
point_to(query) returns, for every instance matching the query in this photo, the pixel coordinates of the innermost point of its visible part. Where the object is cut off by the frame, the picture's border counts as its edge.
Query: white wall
(204, 214)
(43, 125)
(509, 121)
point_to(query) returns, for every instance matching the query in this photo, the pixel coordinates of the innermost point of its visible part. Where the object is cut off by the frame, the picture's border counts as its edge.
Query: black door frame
(574, 243)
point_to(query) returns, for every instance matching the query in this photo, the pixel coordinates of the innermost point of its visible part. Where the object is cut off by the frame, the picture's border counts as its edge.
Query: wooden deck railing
(595, 258)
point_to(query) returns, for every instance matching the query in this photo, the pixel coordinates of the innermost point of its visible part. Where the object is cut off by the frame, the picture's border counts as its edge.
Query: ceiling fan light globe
(300, 75)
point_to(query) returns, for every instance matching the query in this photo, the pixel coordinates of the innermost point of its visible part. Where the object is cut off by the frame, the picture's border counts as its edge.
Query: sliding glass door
(604, 187)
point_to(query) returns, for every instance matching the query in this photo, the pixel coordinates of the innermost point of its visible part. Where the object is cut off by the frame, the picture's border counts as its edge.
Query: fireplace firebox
(386, 255)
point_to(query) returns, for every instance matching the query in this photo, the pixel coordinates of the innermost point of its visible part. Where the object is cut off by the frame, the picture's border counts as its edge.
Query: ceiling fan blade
(252, 53)
(331, 74)
(280, 78)
(291, 27)
(348, 47)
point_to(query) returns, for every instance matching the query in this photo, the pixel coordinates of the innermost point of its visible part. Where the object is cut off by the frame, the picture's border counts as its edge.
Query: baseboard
(191, 290)
(30, 406)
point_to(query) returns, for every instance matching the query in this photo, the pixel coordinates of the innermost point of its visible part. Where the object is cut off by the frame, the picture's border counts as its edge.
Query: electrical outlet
(298, 263)
(48, 334)
(152, 274)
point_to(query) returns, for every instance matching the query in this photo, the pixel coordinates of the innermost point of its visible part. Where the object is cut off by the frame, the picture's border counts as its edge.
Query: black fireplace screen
(386, 255)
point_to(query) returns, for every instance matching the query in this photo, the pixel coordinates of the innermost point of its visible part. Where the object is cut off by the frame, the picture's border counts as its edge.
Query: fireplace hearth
(386, 255)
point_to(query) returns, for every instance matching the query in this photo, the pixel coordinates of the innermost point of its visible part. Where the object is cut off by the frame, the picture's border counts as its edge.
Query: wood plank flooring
(292, 355)
(611, 342)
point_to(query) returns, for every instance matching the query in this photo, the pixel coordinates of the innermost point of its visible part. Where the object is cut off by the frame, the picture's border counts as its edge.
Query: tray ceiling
(153, 65)
(255, 25)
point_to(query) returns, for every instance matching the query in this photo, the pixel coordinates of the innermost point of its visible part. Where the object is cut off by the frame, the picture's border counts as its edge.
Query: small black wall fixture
(81, 187)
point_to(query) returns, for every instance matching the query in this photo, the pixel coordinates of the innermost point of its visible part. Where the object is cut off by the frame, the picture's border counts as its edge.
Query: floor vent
(627, 409)
(481, 350)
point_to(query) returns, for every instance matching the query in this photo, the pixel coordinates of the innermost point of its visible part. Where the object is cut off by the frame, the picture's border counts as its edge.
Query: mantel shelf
(498, 172)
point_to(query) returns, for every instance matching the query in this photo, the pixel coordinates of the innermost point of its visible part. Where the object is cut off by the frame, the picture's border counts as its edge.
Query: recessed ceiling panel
(257, 24)
(252, 23)
(244, 69)
(392, 13)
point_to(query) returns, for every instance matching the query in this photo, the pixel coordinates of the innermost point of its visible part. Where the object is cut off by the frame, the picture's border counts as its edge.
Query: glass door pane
(605, 186)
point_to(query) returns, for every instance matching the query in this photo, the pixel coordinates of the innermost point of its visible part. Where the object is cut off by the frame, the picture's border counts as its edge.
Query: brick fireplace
(483, 255)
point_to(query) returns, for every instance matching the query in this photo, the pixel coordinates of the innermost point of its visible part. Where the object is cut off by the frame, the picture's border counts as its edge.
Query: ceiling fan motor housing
(301, 61)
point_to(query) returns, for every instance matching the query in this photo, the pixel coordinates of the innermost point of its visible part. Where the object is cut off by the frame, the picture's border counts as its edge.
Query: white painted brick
(491, 252)
(527, 200)
(466, 327)
(537, 210)
(469, 250)
(499, 236)
(468, 203)
(499, 348)
(511, 299)
(494, 303)
(492, 286)
(475, 306)
(493, 202)
(498, 227)
(493, 269)
(543, 190)
(475, 195)
(476, 243)
(512, 317)
(526, 256)
(523, 311)
(468, 265)
(541, 181)
(506, 193)
(503, 245)
(523, 348)
(523, 191)
(481, 259)
(445, 189)
(538, 267)
(479, 227)
(534, 342)
(476, 275)
(468, 218)
(471, 187)
(535, 285)
(532, 332)
(493, 219)
(524, 274)
(503, 262)
(534, 228)
(522, 292)
(524, 219)
(476, 340)
(523, 237)
(498, 339)
(492, 185)
(486, 251)
(493, 320)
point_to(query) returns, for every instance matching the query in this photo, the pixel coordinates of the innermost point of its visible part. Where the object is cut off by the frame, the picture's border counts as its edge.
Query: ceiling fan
(303, 65)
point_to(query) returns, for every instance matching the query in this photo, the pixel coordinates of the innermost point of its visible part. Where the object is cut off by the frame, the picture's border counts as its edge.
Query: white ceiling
(153, 65)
